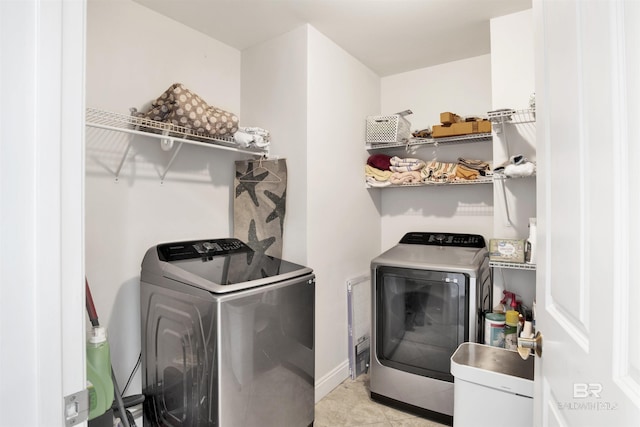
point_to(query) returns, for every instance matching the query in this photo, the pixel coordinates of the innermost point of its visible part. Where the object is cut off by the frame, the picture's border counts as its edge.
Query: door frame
(42, 321)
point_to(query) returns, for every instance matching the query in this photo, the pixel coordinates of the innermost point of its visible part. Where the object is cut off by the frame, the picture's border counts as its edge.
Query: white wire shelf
(160, 130)
(484, 180)
(495, 177)
(416, 142)
(502, 177)
(512, 265)
(508, 116)
(512, 116)
(167, 134)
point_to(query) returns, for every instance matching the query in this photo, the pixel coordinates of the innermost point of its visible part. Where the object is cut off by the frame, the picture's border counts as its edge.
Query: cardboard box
(507, 250)
(448, 118)
(484, 126)
(462, 128)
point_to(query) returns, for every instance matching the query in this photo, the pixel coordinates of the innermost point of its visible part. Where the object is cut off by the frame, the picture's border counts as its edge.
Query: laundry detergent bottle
(99, 381)
(511, 330)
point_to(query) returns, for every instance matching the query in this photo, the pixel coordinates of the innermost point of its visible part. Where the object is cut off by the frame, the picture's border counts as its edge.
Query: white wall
(513, 82)
(343, 217)
(133, 55)
(314, 96)
(462, 87)
(512, 60)
(274, 96)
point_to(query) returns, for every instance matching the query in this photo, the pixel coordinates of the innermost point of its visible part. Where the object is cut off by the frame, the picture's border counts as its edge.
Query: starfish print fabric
(259, 207)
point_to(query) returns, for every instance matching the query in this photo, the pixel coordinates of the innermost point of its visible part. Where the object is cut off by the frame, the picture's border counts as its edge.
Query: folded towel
(405, 165)
(523, 169)
(413, 168)
(439, 171)
(375, 183)
(247, 139)
(478, 165)
(405, 177)
(463, 172)
(376, 174)
(253, 130)
(242, 138)
(260, 141)
(518, 159)
(398, 161)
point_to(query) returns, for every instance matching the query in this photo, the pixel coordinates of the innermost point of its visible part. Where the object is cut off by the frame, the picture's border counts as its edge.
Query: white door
(42, 317)
(588, 297)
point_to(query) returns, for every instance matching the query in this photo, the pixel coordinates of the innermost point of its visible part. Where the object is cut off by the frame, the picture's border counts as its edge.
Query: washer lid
(441, 258)
(463, 253)
(218, 265)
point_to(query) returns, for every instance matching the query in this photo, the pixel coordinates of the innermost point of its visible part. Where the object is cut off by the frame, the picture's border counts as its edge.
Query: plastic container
(494, 329)
(99, 381)
(511, 330)
(386, 129)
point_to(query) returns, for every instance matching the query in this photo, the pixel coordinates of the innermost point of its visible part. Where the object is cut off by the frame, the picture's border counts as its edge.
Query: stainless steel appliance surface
(227, 336)
(429, 293)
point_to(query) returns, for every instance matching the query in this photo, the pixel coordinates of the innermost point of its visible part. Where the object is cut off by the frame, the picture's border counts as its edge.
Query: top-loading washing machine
(227, 336)
(429, 293)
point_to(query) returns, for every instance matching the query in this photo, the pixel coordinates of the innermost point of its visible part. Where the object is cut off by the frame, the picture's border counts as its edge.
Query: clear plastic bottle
(99, 381)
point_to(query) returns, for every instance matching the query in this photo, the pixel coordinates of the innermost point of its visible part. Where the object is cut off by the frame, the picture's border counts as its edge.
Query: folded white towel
(405, 165)
(375, 183)
(398, 161)
(253, 130)
(260, 141)
(242, 138)
(248, 140)
(523, 169)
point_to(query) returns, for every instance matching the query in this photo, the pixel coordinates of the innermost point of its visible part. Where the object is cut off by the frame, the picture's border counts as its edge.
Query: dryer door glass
(421, 318)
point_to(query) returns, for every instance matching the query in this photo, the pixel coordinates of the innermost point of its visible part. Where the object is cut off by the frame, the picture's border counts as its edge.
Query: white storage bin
(493, 387)
(385, 129)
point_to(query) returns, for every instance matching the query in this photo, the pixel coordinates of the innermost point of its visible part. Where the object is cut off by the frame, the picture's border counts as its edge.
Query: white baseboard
(331, 380)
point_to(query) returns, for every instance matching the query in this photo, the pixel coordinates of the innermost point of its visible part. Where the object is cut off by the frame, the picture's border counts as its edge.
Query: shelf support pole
(504, 198)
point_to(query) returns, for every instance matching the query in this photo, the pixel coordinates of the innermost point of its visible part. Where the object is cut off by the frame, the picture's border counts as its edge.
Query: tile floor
(349, 405)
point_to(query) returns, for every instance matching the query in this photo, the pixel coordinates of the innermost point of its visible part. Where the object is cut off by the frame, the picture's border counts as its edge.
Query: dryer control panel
(200, 249)
(444, 239)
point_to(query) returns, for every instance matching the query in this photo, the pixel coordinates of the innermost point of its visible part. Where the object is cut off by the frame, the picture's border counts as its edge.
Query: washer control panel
(444, 239)
(200, 249)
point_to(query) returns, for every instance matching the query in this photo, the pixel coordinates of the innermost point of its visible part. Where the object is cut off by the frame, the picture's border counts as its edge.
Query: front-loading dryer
(429, 294)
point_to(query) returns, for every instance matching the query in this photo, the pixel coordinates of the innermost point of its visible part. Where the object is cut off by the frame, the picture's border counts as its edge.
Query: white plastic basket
(384, 129)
